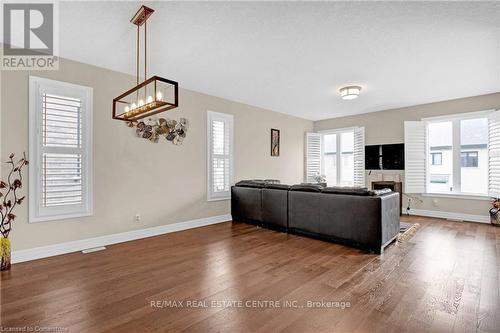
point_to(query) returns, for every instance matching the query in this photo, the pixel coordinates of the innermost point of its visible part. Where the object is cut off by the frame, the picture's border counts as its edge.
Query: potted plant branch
(495, 212)
(9, 199)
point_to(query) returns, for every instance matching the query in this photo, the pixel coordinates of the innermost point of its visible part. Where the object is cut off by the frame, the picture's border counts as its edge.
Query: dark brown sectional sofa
(353, 216)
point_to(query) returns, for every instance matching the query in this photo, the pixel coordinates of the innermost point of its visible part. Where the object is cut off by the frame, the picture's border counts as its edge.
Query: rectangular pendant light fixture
(153, 95)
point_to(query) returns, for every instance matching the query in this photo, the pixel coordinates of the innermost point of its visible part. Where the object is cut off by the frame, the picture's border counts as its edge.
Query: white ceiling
(292, 57)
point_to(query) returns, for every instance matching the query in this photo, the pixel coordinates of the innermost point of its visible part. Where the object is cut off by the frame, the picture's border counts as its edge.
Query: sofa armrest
(390, 216)
(246, 204)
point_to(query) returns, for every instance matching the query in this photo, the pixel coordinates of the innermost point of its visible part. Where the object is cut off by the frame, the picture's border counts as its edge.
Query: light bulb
(133, 106)
(159, 96)
(141, 102)
(127, 108)
(149, 99)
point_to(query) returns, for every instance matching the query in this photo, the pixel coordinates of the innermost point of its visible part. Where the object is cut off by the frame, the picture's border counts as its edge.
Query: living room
(250, 166)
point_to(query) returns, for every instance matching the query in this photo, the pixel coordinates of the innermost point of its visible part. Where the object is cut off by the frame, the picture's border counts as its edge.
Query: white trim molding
(465, 115)
(38, 210)
(457, 196)
(79, 245)
(451, 215)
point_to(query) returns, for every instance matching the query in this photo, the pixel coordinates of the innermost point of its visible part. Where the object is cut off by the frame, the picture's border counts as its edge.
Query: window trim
(35, 121)
(468, 196)
(456, 155)
(460, 116)
(212, 115)
(338, 155)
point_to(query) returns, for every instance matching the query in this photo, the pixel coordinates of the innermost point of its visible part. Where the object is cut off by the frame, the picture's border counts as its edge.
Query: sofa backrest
(246, 203)
(278, 187)
(306, 188)
(363, 191)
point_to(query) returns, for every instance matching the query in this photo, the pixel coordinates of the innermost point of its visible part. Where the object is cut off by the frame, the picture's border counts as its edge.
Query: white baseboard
(450, 215)
(79, 245)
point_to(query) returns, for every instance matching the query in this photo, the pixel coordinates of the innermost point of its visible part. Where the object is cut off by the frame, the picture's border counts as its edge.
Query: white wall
(162, 182)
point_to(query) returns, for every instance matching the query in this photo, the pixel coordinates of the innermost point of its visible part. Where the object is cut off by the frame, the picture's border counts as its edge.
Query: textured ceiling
(292, 57)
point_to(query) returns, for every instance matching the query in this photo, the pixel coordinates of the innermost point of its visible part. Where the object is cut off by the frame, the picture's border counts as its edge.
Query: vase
(495, 216)
(4, 254)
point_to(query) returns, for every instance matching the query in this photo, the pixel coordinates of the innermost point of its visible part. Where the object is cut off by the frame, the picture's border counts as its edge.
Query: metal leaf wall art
(152, 129)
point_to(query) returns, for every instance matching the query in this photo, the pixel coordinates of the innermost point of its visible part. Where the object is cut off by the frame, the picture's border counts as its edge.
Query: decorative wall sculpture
(152, 129)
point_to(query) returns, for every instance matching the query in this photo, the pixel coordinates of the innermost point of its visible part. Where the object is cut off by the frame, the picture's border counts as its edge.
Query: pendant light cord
(137, 56)
(137, 61)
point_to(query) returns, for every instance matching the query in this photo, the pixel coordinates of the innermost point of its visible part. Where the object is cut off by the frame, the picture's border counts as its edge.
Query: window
(329, 158)
(469, 159)
(440, 141)
(220, 155)
(347, 158)
(457, 149)
(436, 158)
(60, 121)
(342, 142)
(338, 155)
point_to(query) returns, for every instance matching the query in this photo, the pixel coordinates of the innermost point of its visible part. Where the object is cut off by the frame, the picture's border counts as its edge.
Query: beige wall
(162, 182)
(387, 127)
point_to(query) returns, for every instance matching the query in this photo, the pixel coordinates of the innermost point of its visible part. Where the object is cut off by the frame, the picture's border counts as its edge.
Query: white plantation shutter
(415, 157)
(313, 156)
(359, 156)
(220, 155)
(61, 151)
(494, 154)
(60, 146)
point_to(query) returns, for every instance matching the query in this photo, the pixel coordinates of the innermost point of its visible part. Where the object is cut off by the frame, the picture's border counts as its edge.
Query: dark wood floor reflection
(445, 278)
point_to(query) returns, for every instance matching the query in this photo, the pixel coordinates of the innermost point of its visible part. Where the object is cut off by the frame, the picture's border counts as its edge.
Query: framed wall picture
(275, 142)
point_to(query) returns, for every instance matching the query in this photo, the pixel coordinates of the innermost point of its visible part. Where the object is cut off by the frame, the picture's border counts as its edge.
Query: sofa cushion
(323, 184)
(303, 211)
(246, 203)
(306, 188)
(260, 181)
(278, 187)
(275, 207)
(346, 190)
(250, 183)
(256, 182)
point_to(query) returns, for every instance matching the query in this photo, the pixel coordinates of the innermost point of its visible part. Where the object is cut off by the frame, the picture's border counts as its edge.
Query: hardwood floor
(445, 278)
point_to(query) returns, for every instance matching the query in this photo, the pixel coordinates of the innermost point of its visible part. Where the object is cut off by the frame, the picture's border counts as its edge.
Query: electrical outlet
(137, 218)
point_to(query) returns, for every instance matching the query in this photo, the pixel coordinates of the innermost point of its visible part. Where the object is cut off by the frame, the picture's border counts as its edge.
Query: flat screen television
(385, 157)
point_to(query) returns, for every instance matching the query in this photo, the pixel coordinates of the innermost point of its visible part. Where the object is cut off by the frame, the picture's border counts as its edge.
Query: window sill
(218, 199)
(457, 196)
(59, 217)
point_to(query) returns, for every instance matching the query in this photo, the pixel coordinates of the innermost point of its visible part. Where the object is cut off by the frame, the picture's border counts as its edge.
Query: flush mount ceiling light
(151, 96)
(350, 92)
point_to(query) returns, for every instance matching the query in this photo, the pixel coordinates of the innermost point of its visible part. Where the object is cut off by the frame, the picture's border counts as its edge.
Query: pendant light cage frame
(151, 96)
